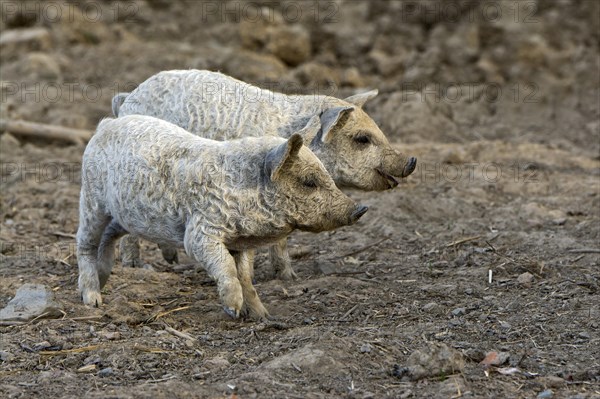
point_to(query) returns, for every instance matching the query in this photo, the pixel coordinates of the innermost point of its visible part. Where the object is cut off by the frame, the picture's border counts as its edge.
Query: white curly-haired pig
(217, 200)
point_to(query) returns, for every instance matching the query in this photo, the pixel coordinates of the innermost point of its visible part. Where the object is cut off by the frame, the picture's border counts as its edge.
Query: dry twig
(24, 128)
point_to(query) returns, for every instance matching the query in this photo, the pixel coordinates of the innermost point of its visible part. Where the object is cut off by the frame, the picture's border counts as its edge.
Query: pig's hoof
(233, 313)
(287, 274)
(260, 316)
(256, 310)
(92, 298)
(170, 255)
(132, 262)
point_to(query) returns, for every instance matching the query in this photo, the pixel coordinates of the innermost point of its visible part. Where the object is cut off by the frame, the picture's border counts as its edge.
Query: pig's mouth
(391, 180)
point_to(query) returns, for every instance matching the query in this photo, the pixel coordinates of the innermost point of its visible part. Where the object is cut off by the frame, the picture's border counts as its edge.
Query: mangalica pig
(209, 104)
(219, 200)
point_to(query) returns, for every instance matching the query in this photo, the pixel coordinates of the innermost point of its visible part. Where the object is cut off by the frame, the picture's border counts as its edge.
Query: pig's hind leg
(106, 250)
(169, 253)
(244, 262)
(92, 222)
(280, 260)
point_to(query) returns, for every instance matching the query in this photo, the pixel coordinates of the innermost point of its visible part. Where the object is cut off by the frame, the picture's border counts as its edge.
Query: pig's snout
(358, 212)
(410, 166)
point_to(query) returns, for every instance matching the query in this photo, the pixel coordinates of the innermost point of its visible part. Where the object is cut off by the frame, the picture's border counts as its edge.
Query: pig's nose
(409, 167)
(360, 210)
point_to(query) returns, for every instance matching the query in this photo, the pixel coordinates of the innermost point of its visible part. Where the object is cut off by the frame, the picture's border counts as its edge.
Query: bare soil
(503, 115)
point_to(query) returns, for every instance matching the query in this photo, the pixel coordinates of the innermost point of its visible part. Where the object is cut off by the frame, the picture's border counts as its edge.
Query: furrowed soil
(491, 245)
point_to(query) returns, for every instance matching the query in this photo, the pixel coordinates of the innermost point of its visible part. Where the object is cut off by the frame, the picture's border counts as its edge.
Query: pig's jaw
(390, 180)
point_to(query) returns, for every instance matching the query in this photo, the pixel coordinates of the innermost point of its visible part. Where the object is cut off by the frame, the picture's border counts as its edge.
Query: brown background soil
(508, 159)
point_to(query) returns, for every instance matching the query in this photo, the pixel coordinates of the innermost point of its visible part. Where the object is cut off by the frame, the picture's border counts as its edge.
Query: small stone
(548, 393)
(31, 301)
(474, 354)
(111, 335)
(525, 279)
(505, 325)
(459, 311)
(430, 306)
(366, 348)
(94, 359)
(41, 345)
(217, 363)
(584, 335)
(105, 372)
(434, 360)
(5, 356)
(455, 322)
(494, 358)
(552, 381)
(307, 321)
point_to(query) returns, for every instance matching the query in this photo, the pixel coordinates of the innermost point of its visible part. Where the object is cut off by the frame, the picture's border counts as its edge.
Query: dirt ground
(498, 100)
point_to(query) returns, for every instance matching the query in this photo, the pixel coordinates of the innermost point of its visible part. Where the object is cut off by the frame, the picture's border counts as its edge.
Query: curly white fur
(218, 200)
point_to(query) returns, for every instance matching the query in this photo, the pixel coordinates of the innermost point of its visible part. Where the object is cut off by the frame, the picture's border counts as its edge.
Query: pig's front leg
(244, 261)
(280, 259)
(218, 262)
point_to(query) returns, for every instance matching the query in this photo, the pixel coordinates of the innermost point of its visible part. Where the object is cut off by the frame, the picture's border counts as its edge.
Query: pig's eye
(310, 183)
(362, 139)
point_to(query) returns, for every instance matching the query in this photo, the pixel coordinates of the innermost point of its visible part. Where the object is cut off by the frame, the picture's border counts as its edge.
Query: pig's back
(216, 106)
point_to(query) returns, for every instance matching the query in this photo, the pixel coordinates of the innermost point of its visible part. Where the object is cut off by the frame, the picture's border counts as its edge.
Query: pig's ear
(360, 99)
(312, 128)
(333, 119)
(279, 156)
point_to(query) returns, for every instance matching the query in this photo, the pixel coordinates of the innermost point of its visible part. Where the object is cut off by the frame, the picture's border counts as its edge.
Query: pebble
(111, 335)
(217, 363)
(105, 372)
(366, 348)
(545, 394)
(525, 279)
(505, 325)
(5, 356)
(434, 360)
(459, 311)
(429, 306)
(29, 302)
(584, 335)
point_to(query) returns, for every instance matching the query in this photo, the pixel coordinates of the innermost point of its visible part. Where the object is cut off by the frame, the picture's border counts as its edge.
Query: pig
(219, 200)
(212, 105)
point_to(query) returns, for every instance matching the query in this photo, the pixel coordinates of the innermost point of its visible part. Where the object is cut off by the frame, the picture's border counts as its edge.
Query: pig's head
(297, 184)
(353, 148)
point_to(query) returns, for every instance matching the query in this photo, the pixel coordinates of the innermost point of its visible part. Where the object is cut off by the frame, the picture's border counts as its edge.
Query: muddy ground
(498, 100)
